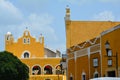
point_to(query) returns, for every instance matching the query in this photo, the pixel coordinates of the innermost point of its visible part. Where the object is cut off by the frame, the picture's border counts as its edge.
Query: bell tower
(9, 38)
(67, 16)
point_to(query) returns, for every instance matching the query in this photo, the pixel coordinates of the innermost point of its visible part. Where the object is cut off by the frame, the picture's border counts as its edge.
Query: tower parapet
(41, 39)
(67, 16)
(9, 39)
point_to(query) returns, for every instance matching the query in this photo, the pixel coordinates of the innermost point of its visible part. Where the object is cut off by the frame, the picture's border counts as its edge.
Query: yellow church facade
(43, 63)
(93, 48)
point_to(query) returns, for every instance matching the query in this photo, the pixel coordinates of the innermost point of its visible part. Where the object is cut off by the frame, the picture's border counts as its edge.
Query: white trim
(95, 45)
(110, 30)
(75, 56)
(95, 52)
(89, 60)
(88, 41)
(92, 43)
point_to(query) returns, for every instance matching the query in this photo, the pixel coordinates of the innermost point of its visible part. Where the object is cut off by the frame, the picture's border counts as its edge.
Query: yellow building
(86, 51)
(43, 63)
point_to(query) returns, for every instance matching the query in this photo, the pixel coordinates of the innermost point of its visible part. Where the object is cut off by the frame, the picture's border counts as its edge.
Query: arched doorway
(36, 70)
(58, 69)
(48, 69)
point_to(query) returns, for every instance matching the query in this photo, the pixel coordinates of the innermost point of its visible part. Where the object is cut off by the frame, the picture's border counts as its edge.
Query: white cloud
(42, 23)
(11, 19)
(104, 16)
(9, 14)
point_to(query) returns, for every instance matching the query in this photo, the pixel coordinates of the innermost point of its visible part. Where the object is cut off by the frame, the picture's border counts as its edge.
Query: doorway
(111, 74)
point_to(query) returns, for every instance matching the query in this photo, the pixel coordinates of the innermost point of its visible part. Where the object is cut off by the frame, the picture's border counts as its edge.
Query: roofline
(110, 30)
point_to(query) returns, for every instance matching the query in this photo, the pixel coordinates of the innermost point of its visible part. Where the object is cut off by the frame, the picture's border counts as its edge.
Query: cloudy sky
(47, 17)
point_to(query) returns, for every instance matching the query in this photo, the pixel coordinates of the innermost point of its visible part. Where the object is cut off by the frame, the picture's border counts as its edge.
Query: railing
(47, 77)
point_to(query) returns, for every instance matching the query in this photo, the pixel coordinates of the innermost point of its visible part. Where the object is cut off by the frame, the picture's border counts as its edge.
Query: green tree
(11, 68)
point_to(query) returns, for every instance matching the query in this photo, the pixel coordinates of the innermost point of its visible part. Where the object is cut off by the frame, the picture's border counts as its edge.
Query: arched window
(36, 70)
(71, 76)
(58, 70)
(24, 40)
(28, 40)
(26, 55)
(48, 70)
(83, 76)
(95, 74)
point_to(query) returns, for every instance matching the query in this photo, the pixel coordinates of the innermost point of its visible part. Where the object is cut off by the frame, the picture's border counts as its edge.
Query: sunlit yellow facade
(43, 63)
(87, 55)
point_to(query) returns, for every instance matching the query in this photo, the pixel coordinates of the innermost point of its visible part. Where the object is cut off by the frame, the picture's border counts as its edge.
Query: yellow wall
(80, 31)
(82, 65)
(92, 68)
(36, 49)
(114, 40)
(71, 69)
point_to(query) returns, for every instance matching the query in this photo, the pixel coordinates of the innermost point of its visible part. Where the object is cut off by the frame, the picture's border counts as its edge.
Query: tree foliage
(11, 68)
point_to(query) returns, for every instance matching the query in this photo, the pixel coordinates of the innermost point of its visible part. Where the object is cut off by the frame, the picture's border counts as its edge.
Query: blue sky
(47, 17)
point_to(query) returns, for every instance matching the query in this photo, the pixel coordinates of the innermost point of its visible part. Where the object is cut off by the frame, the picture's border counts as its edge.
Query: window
(84, 77)
(109, 62)
(26, 55)
(36, 70)
(95, 62)
(71, 78)
(48, 70)
(8, 37)
(24, 40)
(96, 75)
(28, 40)
(109, 52)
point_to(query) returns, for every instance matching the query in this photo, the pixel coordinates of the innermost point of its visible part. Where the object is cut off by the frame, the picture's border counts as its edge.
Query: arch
(71, 76)
(36, 70)
(25, 54)
(48, 69)
(83, 75)
(96, 74)
(26, 33)
(58, 69)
